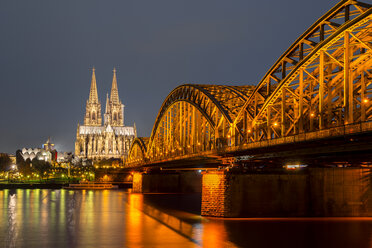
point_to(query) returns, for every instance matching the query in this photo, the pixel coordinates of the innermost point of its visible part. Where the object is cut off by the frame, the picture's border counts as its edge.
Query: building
(46, 153)
(110, 140)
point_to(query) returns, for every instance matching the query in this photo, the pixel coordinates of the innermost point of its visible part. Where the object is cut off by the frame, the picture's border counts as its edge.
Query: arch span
(195, 118)
(321, 81)
(138, 151)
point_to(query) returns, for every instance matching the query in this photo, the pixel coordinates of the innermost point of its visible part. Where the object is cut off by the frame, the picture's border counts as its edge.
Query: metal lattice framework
(138, 150)
(323, 81)
(194, 119)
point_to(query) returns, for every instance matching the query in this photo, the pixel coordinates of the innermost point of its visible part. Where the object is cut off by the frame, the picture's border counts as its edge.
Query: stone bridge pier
(331, 192)
(315, 192)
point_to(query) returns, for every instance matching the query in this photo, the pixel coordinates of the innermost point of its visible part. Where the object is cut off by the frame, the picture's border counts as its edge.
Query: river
(117, 218)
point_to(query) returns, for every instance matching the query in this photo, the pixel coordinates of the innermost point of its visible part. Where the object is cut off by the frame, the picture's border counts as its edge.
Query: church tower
(93, 108)
(114, 114)
(112, 140)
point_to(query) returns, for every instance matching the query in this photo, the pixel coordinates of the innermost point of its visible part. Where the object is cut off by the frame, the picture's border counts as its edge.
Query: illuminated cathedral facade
(112, 139)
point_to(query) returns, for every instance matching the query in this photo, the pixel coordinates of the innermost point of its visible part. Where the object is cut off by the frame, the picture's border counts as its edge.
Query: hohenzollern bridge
(313, 107)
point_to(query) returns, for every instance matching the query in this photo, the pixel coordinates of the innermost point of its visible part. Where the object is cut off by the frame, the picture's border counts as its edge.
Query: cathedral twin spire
(93, 95)
(114, 114)
(114, 98)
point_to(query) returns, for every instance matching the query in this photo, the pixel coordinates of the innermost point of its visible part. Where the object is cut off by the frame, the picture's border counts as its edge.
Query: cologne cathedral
(110, 140)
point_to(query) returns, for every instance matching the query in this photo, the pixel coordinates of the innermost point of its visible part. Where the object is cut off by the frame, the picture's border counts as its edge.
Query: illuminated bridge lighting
(321, 82)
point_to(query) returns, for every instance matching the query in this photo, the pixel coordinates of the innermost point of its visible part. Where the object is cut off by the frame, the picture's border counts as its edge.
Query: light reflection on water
(63, 218)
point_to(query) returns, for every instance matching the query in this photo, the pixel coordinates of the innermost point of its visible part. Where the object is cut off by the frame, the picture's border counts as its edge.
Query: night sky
(47, 49)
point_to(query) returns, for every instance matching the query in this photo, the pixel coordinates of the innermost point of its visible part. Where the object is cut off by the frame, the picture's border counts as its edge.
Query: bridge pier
(167, 182)
(314, 192)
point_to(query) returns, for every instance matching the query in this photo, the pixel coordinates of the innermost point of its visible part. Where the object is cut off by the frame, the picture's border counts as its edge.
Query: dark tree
(19, 158)
(5, 162)
(42, 167)
(25, 168)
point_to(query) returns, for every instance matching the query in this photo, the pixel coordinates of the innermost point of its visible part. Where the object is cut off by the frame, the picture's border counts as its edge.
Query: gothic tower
(93, 108)
(114, 114)
(111, 140)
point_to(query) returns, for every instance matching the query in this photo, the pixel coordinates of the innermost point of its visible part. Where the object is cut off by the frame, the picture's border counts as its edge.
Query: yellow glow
(365, 100)
(275, 124)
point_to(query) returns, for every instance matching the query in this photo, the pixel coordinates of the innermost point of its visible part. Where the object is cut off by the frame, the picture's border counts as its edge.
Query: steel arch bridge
(321, 86)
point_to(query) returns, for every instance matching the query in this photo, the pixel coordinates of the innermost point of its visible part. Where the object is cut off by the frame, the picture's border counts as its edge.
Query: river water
(117, 218)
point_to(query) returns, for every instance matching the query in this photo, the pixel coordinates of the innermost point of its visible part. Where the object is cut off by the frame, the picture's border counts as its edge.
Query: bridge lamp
(198, 143)
(365, 100)
(275, 124)
(228, 136)
(249, 130)
(312, 115)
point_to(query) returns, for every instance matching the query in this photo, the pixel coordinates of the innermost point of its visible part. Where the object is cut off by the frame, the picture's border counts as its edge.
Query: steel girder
(193, 118)
(138, 151)
(217, 104)
(320, 74)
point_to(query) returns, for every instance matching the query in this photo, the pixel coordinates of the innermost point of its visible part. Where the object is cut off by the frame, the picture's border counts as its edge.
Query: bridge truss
(322, 81)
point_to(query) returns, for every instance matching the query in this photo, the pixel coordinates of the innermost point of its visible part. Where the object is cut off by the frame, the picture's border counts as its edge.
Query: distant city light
(295, 166)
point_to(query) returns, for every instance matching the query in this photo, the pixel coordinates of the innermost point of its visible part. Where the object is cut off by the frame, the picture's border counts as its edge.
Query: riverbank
(47, 185)
(33, 185)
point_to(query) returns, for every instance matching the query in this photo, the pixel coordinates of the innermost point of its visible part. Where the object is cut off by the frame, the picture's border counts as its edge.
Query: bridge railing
(309, 136)
(302, 137)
